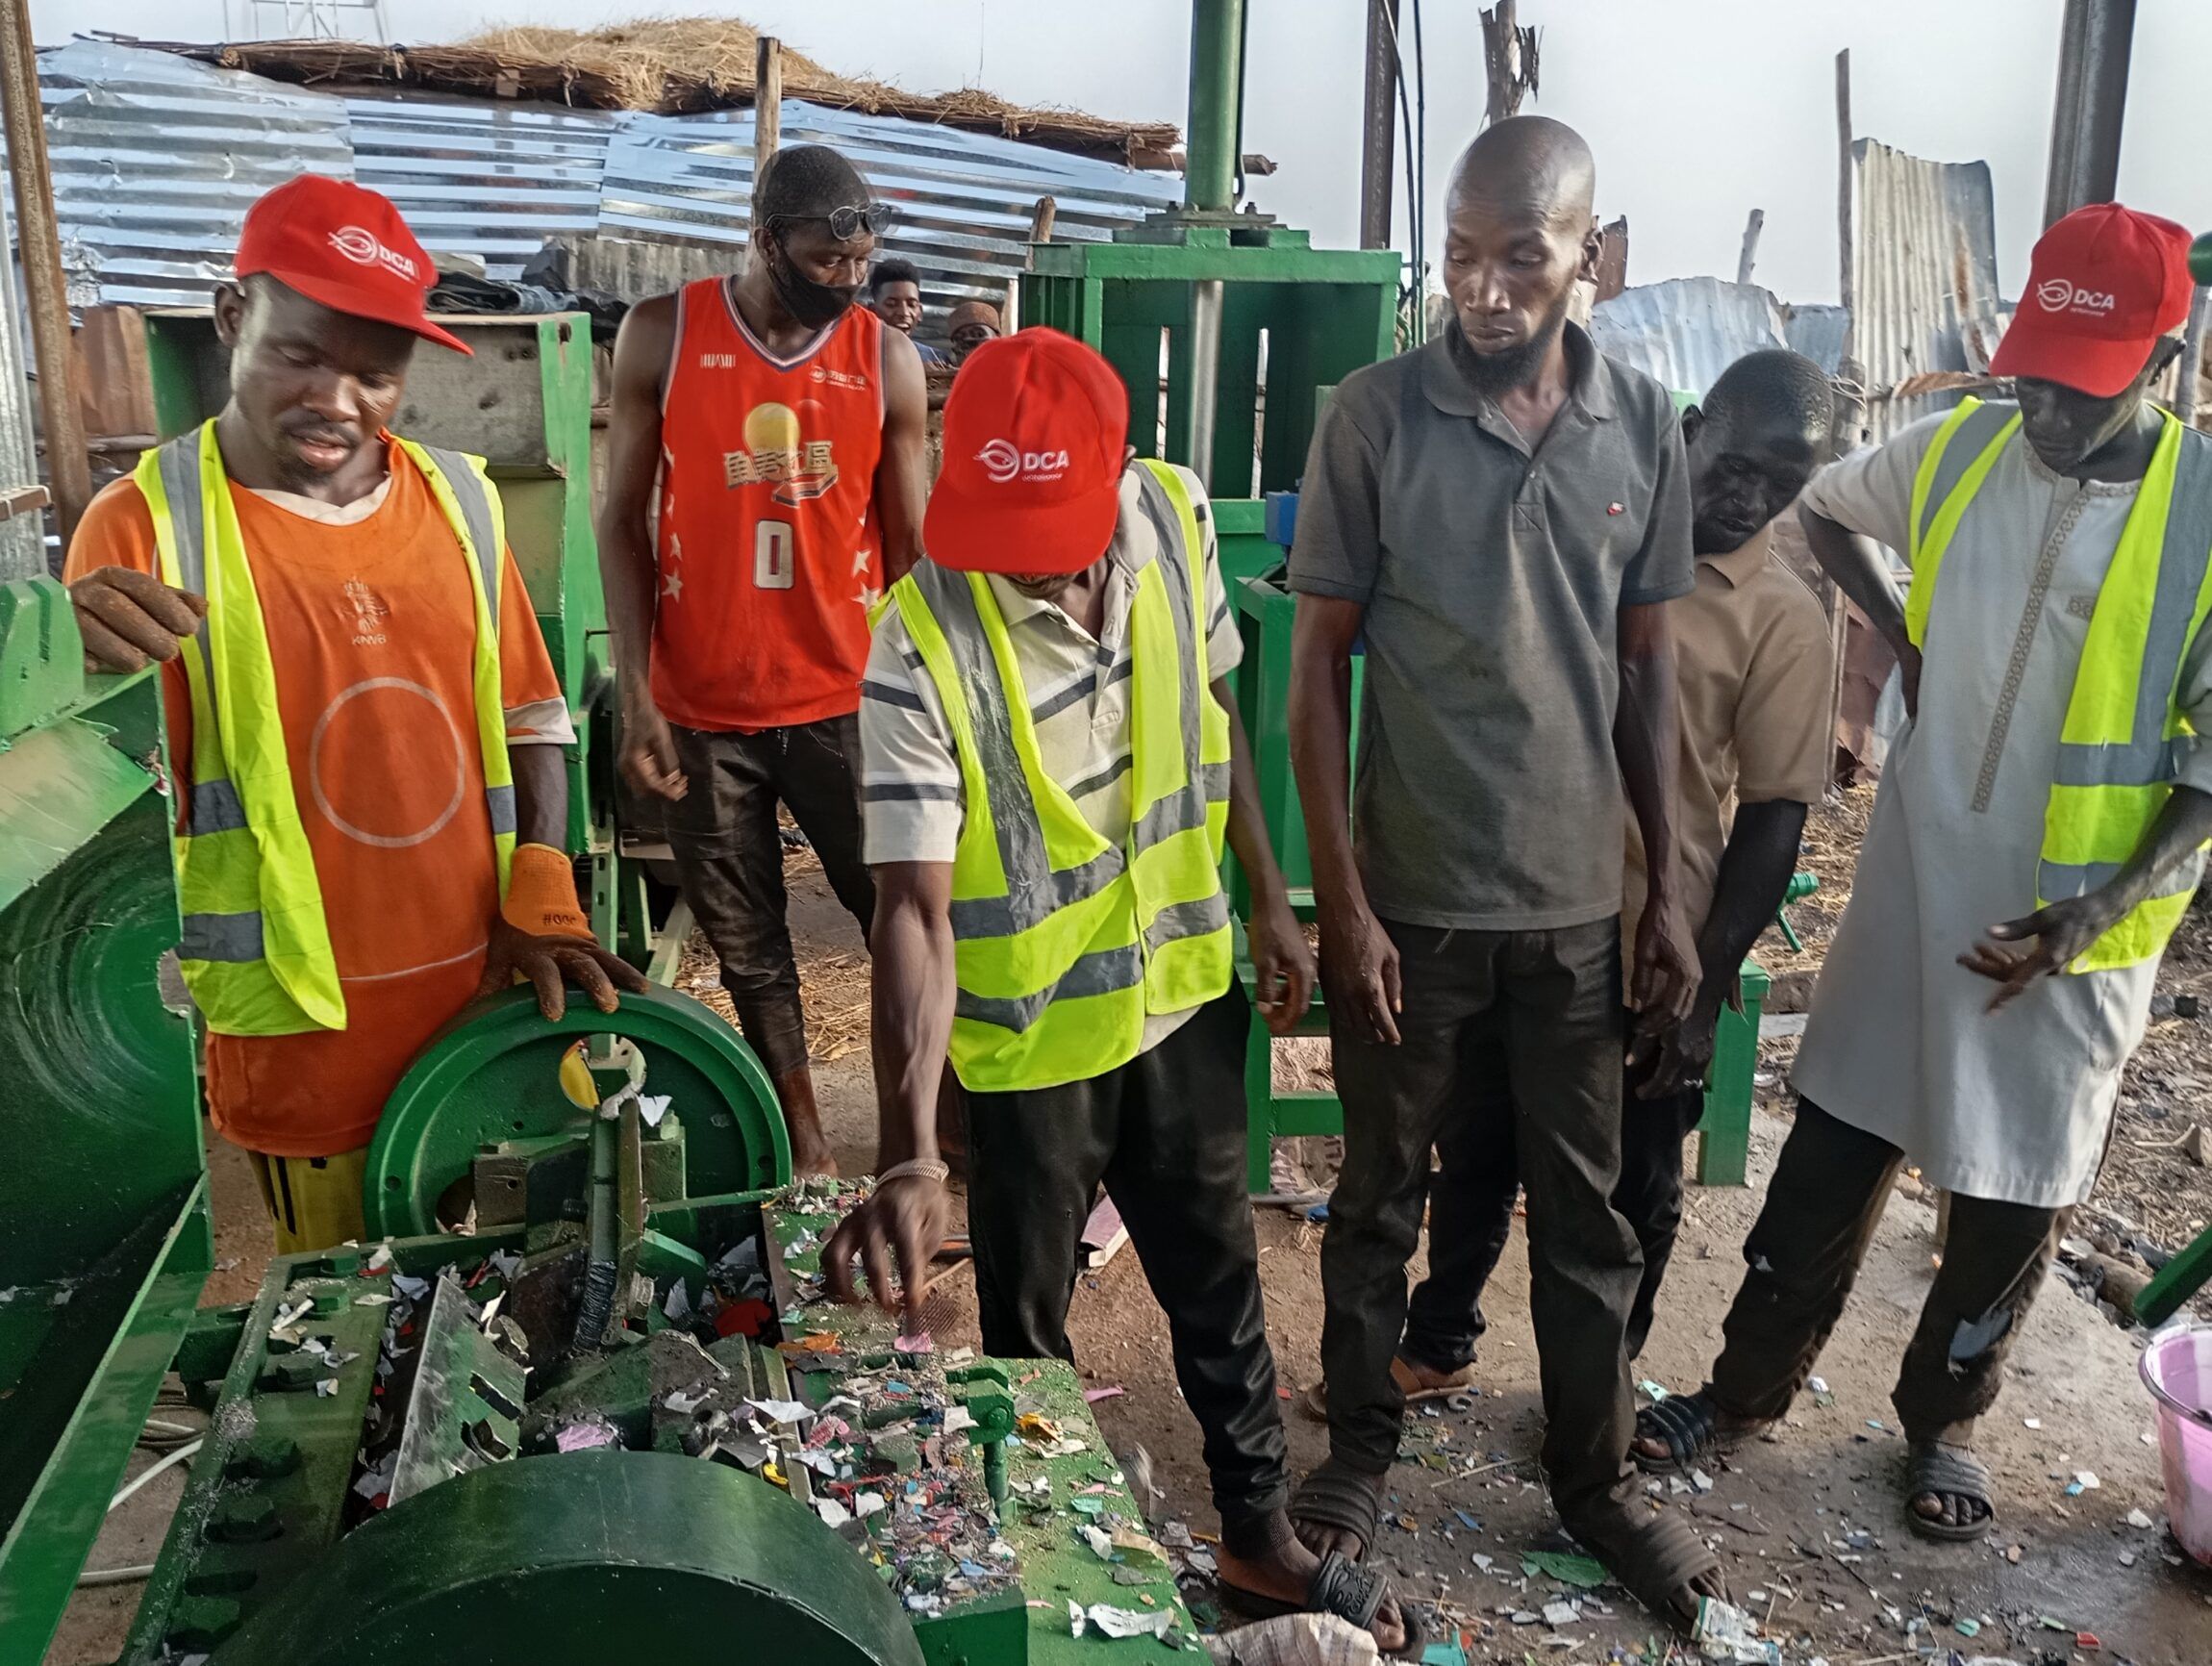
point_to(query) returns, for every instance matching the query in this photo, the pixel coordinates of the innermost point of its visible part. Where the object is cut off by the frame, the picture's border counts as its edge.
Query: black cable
(1237, 159)
(1412, 209)
(1420, 146)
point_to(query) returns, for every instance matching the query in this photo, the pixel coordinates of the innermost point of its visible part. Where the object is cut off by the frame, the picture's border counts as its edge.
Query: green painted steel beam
(1211, 163)
(76, 1406)
(1191, 262)
(568, 1561)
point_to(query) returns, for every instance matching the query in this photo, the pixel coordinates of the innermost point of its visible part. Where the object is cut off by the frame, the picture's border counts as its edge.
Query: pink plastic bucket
(2177, 1368)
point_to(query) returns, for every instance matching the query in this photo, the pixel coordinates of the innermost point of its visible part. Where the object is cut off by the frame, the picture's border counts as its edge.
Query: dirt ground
(1808, 1523)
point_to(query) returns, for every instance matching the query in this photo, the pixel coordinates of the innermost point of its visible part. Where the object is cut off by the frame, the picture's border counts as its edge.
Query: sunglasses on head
(848, 222)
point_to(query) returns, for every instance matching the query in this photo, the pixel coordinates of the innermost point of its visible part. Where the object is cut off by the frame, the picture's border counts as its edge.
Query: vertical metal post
(1844, 185)
(1210, 159)
(1378, 131)
(2095, 42)
(39, 243)
(1206, 300)
(767, 111)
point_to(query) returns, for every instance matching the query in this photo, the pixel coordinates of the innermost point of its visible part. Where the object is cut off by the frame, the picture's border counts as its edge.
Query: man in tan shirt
(1754, 666)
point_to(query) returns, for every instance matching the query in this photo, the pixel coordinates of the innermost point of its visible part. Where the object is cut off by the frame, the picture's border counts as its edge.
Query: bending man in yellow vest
(2037, 836)
(1050, 763)
(363, 725)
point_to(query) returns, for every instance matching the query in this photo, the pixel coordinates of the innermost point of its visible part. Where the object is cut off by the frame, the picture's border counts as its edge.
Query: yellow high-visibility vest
(256, 949)
(2122, 736)
(1063, 943)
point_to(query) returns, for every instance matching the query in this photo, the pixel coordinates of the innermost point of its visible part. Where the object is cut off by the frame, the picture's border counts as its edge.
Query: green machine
(584, 1389)
(1227, 328)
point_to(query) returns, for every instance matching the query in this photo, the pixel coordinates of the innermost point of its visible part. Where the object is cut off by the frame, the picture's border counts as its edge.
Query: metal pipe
(1205, 375)
(38, 246)
(2094, 41)
(1378, 127)
(1217, 90)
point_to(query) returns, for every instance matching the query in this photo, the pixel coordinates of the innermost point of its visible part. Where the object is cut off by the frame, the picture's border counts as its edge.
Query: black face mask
(812, 304)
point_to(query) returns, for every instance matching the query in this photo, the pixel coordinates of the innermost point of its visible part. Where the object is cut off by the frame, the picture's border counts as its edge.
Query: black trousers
(730, 860)
(1531, 1020)
(1165, 1133)
(1829, 1188)
(1470, 1216)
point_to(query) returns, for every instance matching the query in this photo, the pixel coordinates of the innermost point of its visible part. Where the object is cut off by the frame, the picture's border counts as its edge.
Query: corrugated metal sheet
(965, 199)
(1819, 333)
(1686, 331)
(156, 158)
(486, 178)
(22, 536)
(1923, 276)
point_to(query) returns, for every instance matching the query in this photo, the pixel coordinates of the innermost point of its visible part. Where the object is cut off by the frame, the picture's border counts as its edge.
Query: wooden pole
(1040, 219)
(767, 111)
(45, 291)
(1750, 252)
(1378, 130)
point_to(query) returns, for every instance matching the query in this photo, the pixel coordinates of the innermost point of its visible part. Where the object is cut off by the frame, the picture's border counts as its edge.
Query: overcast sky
(1699, 109)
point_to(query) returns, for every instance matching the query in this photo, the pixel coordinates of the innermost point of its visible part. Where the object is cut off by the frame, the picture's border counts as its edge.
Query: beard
(1509, 367)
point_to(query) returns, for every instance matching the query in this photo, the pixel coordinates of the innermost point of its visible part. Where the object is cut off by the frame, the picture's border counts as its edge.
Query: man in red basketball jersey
(764, 483)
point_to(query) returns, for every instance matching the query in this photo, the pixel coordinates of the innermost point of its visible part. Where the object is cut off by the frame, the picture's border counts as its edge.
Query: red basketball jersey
(767, 563)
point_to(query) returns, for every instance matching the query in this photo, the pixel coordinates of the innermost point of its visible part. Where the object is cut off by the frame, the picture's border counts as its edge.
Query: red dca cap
(1034, 432)
(2104, 284)
(343, 245)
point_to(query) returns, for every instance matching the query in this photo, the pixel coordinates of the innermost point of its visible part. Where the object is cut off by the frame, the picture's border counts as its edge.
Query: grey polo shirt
(1492, 575)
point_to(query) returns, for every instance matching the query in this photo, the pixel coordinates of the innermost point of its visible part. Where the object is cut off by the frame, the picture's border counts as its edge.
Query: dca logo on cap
(363, 248)
(2063, 295)
(1004, 462)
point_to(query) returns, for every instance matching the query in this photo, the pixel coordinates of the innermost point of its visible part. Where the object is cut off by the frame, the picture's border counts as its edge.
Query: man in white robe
(1961, 1021)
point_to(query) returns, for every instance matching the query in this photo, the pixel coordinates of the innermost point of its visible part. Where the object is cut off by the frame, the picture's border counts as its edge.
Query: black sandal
(1690, 1423)
(1341, 1587)
(1937, 1468)
(1337, 1496)
(1657, 1559)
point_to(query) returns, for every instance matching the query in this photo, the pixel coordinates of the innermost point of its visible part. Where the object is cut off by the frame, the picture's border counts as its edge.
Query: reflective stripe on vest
(255, 949)
(2123, 737)
(1064, 942)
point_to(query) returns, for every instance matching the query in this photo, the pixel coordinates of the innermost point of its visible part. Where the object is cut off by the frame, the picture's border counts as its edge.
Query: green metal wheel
(493, 1075)
(581, 1559)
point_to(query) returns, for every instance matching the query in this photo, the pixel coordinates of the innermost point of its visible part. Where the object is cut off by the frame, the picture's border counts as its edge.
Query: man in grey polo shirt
(1502, 513)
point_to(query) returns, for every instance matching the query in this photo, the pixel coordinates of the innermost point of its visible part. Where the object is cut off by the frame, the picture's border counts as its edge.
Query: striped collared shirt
(1078, 691)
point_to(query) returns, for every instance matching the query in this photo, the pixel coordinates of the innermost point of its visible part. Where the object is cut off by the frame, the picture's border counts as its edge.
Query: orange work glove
(542, 895)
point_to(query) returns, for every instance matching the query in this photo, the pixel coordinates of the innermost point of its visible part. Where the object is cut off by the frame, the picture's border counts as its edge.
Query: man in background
(895, 295)
(972, 323)
(764, 480)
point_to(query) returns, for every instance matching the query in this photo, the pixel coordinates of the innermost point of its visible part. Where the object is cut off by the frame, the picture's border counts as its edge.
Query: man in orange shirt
(364, 723)
(764, 483)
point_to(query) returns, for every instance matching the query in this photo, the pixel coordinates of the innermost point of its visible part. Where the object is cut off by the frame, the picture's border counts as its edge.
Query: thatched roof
(672, 65)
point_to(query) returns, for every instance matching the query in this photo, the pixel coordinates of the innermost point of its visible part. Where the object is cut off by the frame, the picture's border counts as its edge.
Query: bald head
(1530, 163)
(1518, 231)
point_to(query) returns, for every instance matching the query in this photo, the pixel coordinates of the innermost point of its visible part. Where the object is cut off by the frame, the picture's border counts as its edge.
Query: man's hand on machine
(541, 936)
(130, 620)
(902, 1222)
